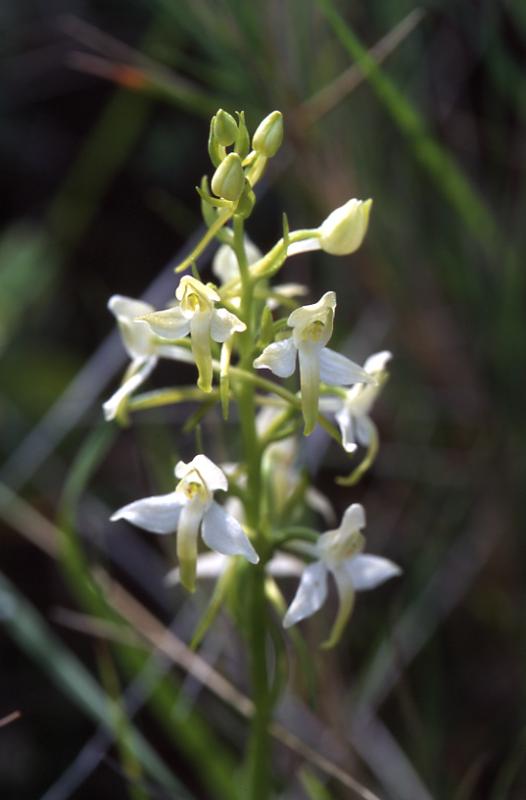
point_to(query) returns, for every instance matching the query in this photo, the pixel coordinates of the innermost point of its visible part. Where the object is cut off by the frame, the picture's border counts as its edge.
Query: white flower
(311, 330)
(338, 551)
(341, 233)
(352, 411)
(188, 510)
(196, 315)
(142, 347)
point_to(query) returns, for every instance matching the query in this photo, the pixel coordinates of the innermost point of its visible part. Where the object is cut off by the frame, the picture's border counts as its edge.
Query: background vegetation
(105, 109)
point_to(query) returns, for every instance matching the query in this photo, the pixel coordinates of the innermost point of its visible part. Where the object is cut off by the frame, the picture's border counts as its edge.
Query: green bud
(225, 128)
(246, 202)
(344, 229)
(242, 145)
(228, 180)
(269, 135)
(215, 150)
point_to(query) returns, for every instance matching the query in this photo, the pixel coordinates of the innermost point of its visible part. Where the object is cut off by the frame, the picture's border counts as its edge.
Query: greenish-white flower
(141, 345)
(196, 315)
(188, 511)
(311, 330)
(338, 552)
(352, 412)
(341, 233)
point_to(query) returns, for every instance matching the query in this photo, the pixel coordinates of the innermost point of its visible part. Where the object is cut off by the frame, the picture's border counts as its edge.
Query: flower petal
(137, 374)
(158, 514)
(296, 248)
(174, 352)
(346, 426)
(172, 323)
(378, 361)
(310, 596)
(330, 404)
(365, 430)
(225, 265)
(353, 518)
(368, 572)
(224, 534)
(136, 335)
(279, 357)
(320, 503)
(127, 307)
(340, 370)
(212, 475)
(284, 565)
(224, 324)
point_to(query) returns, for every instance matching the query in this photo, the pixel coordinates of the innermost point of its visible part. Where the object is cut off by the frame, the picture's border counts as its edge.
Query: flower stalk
(263, 523)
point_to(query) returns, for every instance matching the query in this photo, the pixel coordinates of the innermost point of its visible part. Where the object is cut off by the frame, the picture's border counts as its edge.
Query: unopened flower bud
(344, 229)
(228, 180)
(269, 135)
(242, 144)
(225, 128)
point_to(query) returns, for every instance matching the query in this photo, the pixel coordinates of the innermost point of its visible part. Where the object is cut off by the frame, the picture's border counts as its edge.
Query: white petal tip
(350, 448)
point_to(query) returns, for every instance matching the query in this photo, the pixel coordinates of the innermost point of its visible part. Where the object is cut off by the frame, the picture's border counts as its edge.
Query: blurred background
(105, 113)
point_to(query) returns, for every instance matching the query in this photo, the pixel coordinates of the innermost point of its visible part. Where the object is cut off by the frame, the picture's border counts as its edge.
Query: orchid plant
(231, 330)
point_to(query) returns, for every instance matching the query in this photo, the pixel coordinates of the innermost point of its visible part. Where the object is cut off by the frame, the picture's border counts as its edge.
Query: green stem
(291, 398)
(295, 533)
(164, 397)
(258, 754)
(222, 219)
(269, 263)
